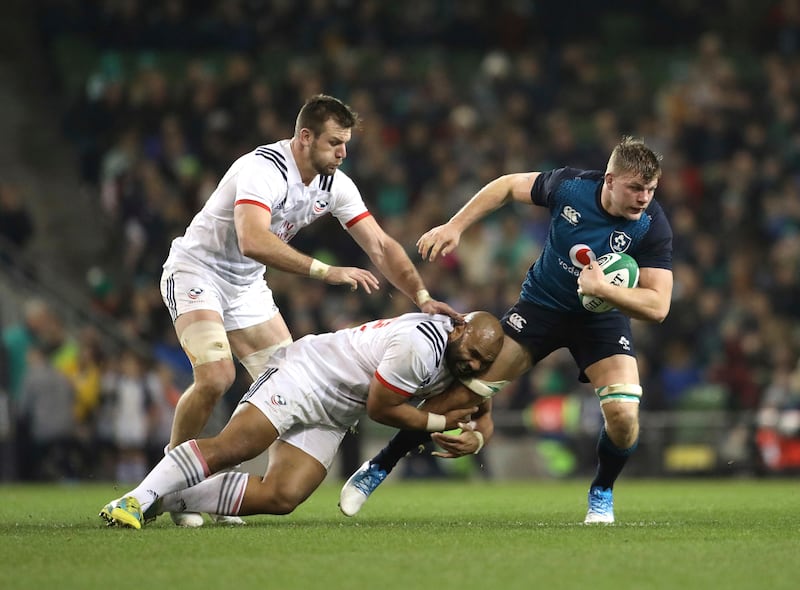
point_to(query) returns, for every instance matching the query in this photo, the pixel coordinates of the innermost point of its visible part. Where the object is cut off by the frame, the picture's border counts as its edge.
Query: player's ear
(306, 136)
(458, 332)
(609, 179)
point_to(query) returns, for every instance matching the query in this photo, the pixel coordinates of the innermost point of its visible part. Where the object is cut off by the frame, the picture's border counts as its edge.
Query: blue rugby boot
(358, 488)
(601, 506)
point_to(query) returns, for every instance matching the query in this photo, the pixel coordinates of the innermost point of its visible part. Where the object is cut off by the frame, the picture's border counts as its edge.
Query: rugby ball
(619, 269)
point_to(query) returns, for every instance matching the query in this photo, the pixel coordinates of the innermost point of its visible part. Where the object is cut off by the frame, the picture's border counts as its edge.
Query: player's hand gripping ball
(619, 269)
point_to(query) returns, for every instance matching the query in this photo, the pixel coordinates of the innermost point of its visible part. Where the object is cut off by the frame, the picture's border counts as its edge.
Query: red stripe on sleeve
(252, 202)
(392, 387)
(357, 218)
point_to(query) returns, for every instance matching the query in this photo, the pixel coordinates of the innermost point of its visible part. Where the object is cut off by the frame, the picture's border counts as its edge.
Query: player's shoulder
(551, 180)
(271, 158)
(567, 173)
(658, 217)
(427, 335)
(413, 320)
(431, 329)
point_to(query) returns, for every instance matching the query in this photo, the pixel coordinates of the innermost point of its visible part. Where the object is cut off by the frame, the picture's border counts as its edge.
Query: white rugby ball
(619, 269)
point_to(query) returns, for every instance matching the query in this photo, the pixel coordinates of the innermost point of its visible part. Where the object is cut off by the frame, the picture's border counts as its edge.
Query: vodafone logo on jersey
(580, 255)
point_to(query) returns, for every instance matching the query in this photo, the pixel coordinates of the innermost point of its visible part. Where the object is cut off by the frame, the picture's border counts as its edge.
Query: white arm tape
(481, 441)
(423, 297)
(318, 269)
(483, 388)
(436, 422)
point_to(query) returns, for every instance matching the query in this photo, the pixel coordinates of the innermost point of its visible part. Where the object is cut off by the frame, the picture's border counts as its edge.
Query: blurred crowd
(452, 94)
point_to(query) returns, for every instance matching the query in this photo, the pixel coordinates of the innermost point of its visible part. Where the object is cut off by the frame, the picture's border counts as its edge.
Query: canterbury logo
(516, 321)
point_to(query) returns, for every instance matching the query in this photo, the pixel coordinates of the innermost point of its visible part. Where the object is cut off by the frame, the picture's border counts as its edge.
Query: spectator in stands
(46, 407)
(16, 223)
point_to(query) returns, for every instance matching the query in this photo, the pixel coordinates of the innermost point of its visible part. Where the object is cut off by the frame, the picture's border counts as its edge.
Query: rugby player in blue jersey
(592, 213)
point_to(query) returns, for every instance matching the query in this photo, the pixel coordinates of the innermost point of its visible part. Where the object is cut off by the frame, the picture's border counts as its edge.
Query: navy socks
(610, 461)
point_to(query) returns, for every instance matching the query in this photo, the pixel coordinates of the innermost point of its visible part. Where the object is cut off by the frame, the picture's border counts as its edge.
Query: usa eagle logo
(320, 205)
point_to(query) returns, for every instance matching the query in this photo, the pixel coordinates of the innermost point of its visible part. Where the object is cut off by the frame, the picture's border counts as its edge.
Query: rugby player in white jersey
(213, 279)
(301, 406)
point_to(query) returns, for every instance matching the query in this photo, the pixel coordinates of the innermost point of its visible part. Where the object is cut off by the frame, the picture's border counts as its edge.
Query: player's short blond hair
(632, 155)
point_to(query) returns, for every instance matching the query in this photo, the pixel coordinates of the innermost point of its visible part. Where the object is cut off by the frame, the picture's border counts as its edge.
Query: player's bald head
(484, 332)
(474, 344)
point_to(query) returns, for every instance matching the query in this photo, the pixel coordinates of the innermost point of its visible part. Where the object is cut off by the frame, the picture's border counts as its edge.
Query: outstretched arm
(391, 259)
(443, 239)
(256, 241)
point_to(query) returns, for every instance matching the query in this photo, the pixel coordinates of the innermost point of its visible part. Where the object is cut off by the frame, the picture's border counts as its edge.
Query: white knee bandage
(483, 388)
(619, 392)
(255, 362)
(206, 342)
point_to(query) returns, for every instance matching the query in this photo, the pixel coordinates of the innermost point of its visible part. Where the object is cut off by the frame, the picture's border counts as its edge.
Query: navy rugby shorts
(590, 337)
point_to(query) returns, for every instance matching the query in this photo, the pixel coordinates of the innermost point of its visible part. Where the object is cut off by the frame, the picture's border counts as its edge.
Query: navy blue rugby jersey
(581, 231)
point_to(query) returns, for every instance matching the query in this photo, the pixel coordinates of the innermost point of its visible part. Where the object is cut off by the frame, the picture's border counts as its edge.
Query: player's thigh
(617, 368)
(246, 435)
(267, 334)
(292, 476)
(292, 473)
(193, 294)
(456, 396)
(253, 320)
(513, 360)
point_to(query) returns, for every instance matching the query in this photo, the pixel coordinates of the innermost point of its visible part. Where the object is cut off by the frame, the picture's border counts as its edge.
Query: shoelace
(371, 479)
(600, 504)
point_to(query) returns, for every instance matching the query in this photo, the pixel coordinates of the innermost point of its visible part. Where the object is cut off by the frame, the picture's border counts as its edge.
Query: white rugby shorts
(188, 290)
(296, 410)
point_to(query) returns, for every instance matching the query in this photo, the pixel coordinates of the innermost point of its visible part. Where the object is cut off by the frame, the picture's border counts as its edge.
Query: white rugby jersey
(406, 354)
(267, 177)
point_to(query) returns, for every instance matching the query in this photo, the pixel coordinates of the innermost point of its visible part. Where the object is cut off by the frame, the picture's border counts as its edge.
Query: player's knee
(278, 499)
(620, 405)
(623, 433)
(206, 342)
(211, 382)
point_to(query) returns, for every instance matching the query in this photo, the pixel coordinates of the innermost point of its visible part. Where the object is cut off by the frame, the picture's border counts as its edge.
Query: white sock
(183, 467)
(221, 494)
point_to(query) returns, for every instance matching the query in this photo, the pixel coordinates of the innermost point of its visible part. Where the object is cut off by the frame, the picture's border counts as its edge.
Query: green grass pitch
(674, 534)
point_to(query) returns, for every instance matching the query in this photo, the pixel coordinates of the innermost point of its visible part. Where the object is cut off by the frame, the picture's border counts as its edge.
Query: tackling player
(213, 279)
(310, 394)
(592, 213)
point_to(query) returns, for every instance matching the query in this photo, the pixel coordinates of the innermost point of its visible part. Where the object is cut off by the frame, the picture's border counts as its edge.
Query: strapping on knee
(206, 342)
(619, 392)
(255, 362)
